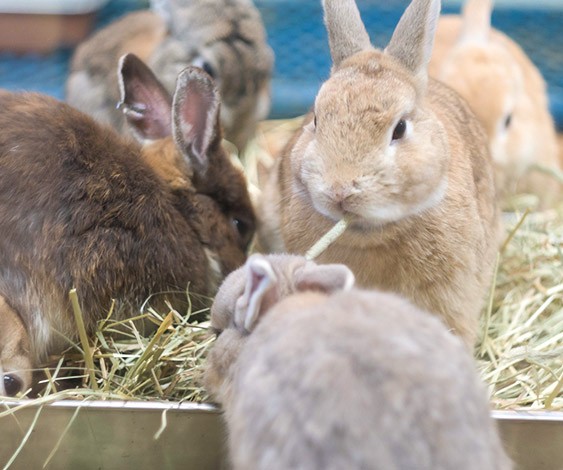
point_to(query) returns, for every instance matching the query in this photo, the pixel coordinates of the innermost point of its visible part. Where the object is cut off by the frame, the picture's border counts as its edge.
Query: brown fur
(227, 35)
(82, 207)
(333, 378)
(496, 78)
(406, 236)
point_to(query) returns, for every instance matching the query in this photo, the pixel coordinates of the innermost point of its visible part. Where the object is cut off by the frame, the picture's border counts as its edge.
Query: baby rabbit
(224, 37)
(404, 159)
(82, 207)
(508, 95)
(313, 374)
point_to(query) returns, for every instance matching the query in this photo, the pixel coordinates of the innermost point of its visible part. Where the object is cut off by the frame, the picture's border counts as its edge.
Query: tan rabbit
(508, 95)
(404, 159)
(314, 374)
(15, 364)
(226, 38)
(83, 207)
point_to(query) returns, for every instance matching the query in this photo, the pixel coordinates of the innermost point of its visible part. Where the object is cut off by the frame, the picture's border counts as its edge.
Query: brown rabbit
(508, 95)
(82, 207)
(313, 374)
(224, 37)
(404, 159)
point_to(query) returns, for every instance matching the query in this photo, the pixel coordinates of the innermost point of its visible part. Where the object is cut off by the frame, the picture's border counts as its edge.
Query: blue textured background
(297, 35)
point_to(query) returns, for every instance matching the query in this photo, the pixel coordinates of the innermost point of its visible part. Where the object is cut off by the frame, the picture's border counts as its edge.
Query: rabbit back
(382, 386)
(79, 208)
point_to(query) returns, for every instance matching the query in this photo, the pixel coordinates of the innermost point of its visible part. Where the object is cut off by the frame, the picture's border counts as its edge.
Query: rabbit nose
(339, 193)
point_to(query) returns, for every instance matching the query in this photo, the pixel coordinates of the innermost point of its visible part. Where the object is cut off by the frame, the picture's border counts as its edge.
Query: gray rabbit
(224, 37)
(315, 374)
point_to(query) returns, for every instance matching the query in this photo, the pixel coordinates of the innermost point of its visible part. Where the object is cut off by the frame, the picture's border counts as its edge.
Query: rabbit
(15, 364)
(315, 374)
(507, 93)
(224, 37)
(83, 207)
(404, 159)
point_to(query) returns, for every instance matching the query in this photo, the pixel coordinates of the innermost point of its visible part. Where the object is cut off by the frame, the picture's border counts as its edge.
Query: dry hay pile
(520, 354)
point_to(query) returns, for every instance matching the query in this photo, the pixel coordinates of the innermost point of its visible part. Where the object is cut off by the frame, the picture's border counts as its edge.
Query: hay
(520, 354)
(521, 351)
(122, 363)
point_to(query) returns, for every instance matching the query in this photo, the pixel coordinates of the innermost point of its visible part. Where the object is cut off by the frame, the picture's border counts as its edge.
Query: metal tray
(106, 435)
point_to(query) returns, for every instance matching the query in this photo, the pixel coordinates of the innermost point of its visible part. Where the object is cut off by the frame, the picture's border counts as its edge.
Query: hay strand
(329, 238)
(78, 317)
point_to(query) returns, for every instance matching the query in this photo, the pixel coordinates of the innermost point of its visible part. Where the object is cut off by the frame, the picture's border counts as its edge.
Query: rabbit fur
(314, 374)
(225, 37)
(83, 207)
(507, 93)
(423, 217)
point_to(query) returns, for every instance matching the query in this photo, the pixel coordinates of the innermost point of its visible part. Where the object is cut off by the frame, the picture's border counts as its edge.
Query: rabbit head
(373, 151)
(248, 293)
(227, 40)
(182, 143)
(503, 88)
(15, 357)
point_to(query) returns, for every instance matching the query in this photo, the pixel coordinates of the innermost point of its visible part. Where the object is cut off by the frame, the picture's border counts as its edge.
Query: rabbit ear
(413, 38)
(346, 32)
(260, 278)
(196, 115)
(144, 101)
(324, 277)
(476, 21)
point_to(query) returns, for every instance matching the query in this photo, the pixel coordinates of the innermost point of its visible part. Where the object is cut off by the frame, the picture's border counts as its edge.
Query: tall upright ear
(347, 34)
(476, 21)
(260, 281)
(196, 115)
(413, 38)
(324, 277)
(144, 100)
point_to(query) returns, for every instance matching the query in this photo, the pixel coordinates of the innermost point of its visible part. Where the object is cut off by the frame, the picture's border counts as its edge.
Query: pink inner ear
(195, 112)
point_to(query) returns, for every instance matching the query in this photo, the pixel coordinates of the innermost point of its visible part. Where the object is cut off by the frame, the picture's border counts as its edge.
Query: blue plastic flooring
(297, 35)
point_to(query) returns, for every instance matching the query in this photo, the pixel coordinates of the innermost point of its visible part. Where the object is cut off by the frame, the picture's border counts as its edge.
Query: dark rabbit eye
(12, 385)
(206, 66)
(315, 120)
(400, 129)
(508, 121)
(243, 229)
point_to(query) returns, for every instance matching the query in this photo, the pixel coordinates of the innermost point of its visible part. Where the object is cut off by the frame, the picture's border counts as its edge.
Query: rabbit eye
(206, 66)
(508, 121)
(243, 229)
(400, 129)
(12, 385)
(315, 120)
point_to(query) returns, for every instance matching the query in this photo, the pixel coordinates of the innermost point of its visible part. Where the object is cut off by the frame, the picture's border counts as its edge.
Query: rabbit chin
(377, 216)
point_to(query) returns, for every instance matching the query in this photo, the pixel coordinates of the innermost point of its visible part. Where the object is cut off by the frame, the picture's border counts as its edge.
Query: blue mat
(297, 35)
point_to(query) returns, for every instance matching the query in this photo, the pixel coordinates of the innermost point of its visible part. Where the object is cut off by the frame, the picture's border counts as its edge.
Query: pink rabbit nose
(340, 194)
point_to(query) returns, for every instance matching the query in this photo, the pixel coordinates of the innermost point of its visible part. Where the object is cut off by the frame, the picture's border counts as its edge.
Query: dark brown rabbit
(82, 207)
